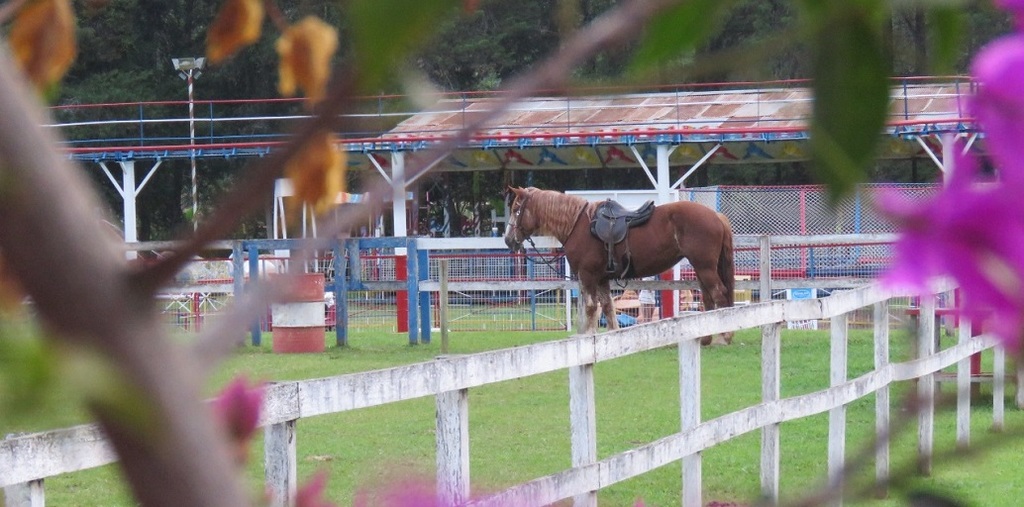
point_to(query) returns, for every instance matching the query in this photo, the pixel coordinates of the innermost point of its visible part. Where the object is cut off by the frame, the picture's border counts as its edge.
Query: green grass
(520, 429)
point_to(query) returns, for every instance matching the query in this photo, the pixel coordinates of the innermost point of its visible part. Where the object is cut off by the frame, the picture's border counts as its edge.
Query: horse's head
(521, 221)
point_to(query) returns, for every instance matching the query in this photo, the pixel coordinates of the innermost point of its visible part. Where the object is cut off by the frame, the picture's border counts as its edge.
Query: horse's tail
(726, 268)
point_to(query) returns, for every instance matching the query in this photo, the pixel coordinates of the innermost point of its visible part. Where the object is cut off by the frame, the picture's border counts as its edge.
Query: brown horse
(675, 231)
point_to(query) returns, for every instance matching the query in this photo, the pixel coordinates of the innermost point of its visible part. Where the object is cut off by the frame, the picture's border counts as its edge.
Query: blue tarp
(625, 320)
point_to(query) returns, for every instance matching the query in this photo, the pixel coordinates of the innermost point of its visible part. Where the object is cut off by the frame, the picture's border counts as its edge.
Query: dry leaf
(318, 172)
(238, 24)
(306, 49)
(42, 38)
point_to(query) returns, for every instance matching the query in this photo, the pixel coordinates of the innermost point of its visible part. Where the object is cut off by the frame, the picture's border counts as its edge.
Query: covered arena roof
(757, 125)
(716, 124)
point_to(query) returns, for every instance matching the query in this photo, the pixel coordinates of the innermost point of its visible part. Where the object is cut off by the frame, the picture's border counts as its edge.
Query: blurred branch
(223, 336)
(245, 198)
(78, 280)
(93, 296)
(620, 23)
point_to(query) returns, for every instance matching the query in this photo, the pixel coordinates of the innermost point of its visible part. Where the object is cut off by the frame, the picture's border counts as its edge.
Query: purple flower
(999, 104)
(311, 494)
(238, 409)
(972, 231)
(1014, 7)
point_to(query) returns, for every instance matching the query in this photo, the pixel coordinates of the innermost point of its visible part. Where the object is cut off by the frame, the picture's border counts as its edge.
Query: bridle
(552, 262)
(513, 222)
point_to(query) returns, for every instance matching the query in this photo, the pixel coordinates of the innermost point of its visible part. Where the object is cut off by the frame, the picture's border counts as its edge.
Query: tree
(145, 386)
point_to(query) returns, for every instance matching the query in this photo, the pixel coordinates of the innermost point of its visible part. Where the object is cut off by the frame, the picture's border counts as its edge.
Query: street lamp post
(189, 69)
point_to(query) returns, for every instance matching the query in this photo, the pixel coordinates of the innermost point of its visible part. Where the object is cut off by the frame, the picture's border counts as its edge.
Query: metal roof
(718, 126)
(753, 125)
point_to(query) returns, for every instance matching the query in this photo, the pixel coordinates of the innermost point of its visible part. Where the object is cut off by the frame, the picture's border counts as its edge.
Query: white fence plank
(689, 416)
(29, 494)
(838, 352)
(583, 425)
(998, 389)
(880, 313)
(963, 389)
(453, 447)
(771, 373)
(926, 387)
(35, 457)
(280, 462)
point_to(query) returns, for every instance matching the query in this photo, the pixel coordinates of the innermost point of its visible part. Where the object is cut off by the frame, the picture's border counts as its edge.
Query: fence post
(453, 447)
(837, 416)
(998, 387)
(280, 461)
(689, 416)
(963, 388)
(254, 274)
(771, 347)
(583, 424)
(765, 269)
(442, 303)
(881, 321)
(926, 386)
(237, 269)
(341, 264)
(423, 260)
(412, 284)
(29, 494)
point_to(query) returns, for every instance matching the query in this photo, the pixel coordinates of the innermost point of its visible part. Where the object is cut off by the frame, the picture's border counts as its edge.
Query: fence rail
(26, 461)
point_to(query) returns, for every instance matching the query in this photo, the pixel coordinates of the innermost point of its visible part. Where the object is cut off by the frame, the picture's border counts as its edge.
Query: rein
(551, 261)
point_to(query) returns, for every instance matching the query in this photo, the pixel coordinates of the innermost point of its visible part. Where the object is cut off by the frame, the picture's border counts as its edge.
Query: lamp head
(189, 65)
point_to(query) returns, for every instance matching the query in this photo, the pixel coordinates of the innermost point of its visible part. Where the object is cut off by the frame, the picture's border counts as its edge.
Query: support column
(398, 183)
(131, 191)
(948, 156)
(663, 185)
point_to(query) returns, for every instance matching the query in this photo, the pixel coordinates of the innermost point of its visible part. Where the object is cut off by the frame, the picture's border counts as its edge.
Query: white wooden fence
(26, 461)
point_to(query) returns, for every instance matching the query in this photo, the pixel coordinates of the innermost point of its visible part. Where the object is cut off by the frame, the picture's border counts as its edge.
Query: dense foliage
(126, 48)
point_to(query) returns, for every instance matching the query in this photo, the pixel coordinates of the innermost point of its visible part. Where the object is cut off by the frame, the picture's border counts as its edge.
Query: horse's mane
(556, 212)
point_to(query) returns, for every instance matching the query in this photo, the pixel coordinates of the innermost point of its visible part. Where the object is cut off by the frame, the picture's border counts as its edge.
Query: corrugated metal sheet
(607, 131)
(779, 109)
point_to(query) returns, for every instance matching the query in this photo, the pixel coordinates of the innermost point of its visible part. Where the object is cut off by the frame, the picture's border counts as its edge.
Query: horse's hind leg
(712, 292)
(590, 307)
(604, 296)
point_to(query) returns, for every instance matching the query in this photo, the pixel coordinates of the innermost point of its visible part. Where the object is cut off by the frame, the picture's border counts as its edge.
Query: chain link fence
(491, 289)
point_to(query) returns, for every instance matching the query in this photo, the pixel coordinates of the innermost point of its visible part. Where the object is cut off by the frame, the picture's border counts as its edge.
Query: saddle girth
(611, 224)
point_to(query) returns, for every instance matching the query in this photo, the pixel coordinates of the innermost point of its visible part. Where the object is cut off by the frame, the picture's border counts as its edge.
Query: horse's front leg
(604, 296)
(590, 309)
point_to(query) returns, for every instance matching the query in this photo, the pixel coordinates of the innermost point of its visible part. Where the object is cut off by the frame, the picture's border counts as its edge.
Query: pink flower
(1014, 7)
(238, 409)
(974, 232)
(999, 105)
(311, 494)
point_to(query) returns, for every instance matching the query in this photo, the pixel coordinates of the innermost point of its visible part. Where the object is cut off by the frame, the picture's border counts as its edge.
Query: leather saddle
(611, 224)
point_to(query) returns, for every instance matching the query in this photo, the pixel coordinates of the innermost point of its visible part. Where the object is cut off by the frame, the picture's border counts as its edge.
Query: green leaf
(851, 97)
(385, 31)
(946, 25)
(28, 372)
(677, 30)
